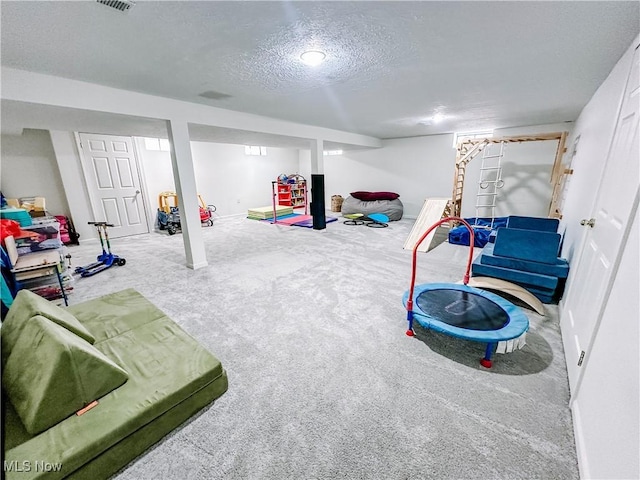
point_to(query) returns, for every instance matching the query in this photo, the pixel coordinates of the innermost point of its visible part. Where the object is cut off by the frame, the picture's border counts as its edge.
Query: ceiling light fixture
(436, 118)
(313, 58)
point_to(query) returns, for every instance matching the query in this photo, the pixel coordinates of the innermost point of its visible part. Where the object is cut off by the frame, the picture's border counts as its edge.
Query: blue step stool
(533, 223)
(560, 269)
(546, 282)
(531, 245)
(527, 223)
(544, 287)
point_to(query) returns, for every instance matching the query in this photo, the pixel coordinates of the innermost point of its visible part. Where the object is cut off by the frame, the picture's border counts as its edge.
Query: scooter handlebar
(102, 224)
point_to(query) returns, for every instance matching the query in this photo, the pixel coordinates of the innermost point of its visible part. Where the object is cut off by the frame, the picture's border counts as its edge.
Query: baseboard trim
(581, 454)
(86, 241)
(196, 266)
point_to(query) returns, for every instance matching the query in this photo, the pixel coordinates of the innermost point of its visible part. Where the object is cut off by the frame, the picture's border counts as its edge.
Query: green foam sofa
(147, 375)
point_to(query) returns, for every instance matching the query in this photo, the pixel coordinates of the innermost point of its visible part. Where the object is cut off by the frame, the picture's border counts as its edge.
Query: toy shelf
(292, 194)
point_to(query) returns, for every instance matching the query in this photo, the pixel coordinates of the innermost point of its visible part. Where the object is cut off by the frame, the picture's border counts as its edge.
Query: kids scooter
(106, 259)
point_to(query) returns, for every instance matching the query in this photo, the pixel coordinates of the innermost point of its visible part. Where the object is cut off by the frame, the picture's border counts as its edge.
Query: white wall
(225, 176)
(235, 182)
(415, 168)
(73, 181)
(34, 164)
(526, 173)
(29, 169)
(157, 176)
(421, 167)
(594, 128)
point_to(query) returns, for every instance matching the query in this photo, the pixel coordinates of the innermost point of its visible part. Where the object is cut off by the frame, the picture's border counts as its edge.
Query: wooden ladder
(466, 151)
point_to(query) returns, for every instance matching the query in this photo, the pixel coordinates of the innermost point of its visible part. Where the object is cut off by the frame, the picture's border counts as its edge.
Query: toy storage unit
(39, 266)
(35, 247)
(291, 191)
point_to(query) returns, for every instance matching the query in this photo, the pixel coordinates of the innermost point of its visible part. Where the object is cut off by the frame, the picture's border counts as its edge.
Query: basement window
(157, 144)
(461, 136)
(255, 150)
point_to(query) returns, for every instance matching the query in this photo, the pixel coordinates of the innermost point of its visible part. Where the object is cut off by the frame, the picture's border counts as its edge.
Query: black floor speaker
(317, 202)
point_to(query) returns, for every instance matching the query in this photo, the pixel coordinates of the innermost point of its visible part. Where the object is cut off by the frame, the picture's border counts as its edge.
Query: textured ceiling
(389, 65)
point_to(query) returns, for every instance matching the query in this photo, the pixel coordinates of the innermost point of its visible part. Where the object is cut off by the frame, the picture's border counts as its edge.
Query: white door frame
(151, 213)
(141, 176)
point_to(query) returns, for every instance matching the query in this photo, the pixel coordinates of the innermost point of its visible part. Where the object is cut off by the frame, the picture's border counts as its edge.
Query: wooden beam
(557, 162)
(558, 175)
(470, 154)
(516, 138)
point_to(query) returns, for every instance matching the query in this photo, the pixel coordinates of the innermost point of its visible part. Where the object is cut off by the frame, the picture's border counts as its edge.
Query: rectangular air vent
(122, 5)
(213, 95)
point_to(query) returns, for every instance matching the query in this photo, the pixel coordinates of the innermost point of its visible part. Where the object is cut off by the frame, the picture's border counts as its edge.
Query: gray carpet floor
(323, 381)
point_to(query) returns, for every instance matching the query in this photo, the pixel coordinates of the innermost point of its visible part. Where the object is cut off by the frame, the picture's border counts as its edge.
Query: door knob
(588, 223)
(137, 192)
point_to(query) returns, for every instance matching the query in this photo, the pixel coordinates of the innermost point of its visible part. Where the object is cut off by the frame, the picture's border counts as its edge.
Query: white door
(605, 410)
(111, 171)
(608, 229)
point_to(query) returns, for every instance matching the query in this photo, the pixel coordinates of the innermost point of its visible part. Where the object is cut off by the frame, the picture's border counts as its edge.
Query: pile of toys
(169, 213)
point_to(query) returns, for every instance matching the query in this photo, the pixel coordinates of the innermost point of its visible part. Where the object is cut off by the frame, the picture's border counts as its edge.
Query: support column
(317, 156)
(70, 166)
(185, 181)
(317, 185)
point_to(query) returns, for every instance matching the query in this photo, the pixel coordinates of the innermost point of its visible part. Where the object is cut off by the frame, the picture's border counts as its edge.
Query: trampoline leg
(410, 332)
(486, 361)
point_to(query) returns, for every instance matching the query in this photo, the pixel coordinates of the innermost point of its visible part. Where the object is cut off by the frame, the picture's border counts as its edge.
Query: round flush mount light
(313, 57)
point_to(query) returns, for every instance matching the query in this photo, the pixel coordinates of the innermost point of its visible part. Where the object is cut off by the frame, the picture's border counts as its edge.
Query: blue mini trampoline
(463, 311)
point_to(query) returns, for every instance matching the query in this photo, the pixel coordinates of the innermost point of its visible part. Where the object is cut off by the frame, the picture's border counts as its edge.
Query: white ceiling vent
(212, 94)
(122, 5)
